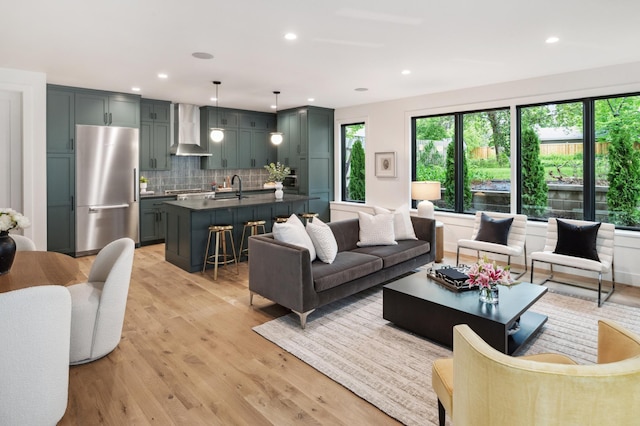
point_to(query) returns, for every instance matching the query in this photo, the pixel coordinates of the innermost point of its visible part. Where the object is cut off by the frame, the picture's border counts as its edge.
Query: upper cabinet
(246, 138)
(155, 132)
(107, 109)
(61, 123)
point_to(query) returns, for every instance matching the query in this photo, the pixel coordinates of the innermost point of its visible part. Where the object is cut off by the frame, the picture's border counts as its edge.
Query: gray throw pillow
(578, 241)
(494, 230)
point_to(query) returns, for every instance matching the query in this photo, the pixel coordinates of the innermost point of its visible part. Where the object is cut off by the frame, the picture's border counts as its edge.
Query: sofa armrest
(281, 272)
(425, 230)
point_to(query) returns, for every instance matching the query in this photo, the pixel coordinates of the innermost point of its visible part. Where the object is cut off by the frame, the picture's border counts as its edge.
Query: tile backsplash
(186, 173)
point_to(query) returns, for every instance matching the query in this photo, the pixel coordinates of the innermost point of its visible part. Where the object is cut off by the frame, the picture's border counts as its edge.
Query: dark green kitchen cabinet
(61, 125)
(155, 133)
(309, 134)
(254, 147)
(107, 109)
(289, 149)
(61, 235)
(152, 225)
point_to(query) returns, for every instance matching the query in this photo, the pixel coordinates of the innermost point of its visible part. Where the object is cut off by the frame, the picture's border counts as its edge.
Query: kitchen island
(187, 222)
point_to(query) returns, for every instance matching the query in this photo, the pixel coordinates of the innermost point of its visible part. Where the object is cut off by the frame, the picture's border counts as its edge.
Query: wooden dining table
(33, 268)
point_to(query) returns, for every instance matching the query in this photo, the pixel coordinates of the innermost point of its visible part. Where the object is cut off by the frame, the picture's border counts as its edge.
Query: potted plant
(143, 183)
(277, 171)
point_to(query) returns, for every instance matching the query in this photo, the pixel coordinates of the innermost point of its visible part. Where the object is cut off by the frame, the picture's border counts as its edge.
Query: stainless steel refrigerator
(106, 186)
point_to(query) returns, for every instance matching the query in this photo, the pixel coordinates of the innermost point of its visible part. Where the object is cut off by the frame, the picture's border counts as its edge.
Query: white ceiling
(342, 45)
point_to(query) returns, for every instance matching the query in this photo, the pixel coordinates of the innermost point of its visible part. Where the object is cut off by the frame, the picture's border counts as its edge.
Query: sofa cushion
(393, 255)
(376, 230)
(402, 226)
(347, 266)
(293, 232)
(323, 240)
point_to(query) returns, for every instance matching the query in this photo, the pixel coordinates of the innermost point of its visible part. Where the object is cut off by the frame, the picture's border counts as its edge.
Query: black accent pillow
(494, 230)
(578, 241)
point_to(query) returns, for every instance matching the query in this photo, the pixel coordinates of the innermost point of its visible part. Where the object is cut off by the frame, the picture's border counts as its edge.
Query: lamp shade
(425, 190)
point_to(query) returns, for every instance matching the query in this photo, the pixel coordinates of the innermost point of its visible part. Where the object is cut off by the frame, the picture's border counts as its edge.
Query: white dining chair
(23, 243)
(34, 355)
(98, 305)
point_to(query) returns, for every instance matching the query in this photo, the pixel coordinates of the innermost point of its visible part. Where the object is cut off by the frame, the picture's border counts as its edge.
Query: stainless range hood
(187, 131)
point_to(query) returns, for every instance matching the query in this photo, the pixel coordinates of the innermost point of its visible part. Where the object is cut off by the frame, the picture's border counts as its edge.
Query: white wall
(32, 87)
(389, 129)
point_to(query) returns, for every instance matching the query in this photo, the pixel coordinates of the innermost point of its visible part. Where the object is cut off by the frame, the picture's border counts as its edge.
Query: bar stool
(308, 216)
(217, 258)
(254, 226)
(280, 219)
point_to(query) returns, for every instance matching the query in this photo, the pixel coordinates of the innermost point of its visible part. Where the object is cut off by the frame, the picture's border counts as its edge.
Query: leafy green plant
(624, 176)
(534, 186)
(356, 189)
(450, 180)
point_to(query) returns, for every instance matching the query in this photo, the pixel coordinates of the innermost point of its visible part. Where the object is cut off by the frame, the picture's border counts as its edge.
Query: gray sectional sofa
(283, 272)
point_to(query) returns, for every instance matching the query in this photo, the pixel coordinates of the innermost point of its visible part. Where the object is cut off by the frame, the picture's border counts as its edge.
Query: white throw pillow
(293, 232)
(402, 226)
(376, 230)
(323, 240)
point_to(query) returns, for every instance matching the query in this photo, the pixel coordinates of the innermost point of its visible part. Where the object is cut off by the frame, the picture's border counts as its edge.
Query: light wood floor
(188, 356)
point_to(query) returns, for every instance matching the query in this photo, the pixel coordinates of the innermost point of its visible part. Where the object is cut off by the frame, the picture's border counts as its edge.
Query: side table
(439, 241)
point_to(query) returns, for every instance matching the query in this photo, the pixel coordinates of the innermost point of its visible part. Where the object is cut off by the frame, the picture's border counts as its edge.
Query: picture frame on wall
(385, 164)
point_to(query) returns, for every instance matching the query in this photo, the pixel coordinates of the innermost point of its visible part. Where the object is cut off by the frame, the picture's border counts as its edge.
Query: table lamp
(425, 191)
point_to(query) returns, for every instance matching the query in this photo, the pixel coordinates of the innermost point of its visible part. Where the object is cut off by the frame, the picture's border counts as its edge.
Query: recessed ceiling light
(552, 40)
(406, 72)
(202, 55)
(135, 89)
(163, 75)
(214, 99)
(290, 36)
(274, 106)
(311, 99)
(360, 89)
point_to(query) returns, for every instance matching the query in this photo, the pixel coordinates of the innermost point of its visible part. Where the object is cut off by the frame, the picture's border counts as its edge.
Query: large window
(468, 153)
(581, 160)
(576, 159)
(353, 172)
(552, 155)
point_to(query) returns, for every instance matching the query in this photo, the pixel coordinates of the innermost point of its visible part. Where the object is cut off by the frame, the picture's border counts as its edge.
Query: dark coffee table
(424, 307)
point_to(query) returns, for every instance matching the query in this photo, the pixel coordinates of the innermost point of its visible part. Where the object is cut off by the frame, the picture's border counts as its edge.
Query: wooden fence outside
(485, 152)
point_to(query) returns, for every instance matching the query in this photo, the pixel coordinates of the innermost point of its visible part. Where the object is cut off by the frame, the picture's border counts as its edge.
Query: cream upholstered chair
(604, 247)
(23, 243)
(98, 306)
(516, 245)
(34, 355)
(488, 387)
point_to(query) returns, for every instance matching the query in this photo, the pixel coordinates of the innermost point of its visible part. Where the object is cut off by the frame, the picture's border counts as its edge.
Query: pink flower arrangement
(485, 274)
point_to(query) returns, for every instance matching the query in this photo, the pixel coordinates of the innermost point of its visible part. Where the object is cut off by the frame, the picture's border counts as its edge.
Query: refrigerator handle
(94, 209)
(135, 184)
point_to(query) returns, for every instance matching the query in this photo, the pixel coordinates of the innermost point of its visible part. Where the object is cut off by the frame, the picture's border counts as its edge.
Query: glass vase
(489, 294)
(7, 252)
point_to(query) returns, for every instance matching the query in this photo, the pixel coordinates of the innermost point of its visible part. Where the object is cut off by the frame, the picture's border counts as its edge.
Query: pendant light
(276, 137)
(217, 134)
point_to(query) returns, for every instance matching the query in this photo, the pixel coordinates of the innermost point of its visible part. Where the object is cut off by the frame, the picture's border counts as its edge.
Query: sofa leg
(250, 298)
(303, 317)
(441, 414)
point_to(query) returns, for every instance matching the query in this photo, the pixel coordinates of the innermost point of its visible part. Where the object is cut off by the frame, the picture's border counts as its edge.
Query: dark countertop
(219, 194)
(254, 199)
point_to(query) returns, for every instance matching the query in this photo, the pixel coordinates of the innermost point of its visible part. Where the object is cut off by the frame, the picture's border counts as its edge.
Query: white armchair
(34, 355)
(516, 245)
(604, 248)
(98, 306)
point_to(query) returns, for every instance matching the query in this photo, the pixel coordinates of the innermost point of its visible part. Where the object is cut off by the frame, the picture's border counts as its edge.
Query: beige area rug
(351, 343)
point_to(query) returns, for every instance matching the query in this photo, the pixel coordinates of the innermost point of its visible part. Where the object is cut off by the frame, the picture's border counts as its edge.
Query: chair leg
(206, 253)
(458, 256)
(441, 414)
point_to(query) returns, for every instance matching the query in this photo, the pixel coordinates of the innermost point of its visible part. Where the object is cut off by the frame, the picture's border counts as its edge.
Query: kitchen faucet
(233, 180)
